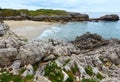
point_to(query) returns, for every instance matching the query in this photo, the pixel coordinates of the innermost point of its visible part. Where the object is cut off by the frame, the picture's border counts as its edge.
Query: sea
(69, 31)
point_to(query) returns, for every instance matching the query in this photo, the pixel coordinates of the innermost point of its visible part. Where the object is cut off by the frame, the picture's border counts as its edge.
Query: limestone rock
(89, 41)
(29, 71)
(110, 80)
(41, 79)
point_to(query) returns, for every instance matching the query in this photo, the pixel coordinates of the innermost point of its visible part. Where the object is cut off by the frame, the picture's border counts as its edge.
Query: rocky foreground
(89, 58)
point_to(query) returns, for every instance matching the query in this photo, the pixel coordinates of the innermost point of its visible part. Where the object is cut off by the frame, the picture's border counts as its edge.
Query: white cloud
(72, 5)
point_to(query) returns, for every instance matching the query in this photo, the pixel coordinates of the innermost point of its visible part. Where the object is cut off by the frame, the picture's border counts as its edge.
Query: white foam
(49, 33)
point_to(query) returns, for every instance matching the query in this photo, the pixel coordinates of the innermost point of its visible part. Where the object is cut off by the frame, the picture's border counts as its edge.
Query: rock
(65, 76)
(95, 70)
(4, 62)
(37, 51)
(50, 57)
(78, 16)
(112, 17)
(9, 44)
(14, 68)
(41, 79)
(110, 80)
(29, 71)
(89, 41)
(3, 28)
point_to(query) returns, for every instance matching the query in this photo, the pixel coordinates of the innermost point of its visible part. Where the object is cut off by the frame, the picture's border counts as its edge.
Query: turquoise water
(71, 30)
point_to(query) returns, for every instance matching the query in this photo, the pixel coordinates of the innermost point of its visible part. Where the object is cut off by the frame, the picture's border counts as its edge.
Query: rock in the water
(112, 17)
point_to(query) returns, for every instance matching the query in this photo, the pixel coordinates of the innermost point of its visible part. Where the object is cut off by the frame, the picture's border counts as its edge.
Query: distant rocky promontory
(50, 15)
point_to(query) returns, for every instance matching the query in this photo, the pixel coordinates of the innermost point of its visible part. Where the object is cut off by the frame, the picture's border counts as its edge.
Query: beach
(29, 29)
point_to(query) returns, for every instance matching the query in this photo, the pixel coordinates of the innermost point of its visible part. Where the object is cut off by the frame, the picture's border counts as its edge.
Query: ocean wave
(49, 33)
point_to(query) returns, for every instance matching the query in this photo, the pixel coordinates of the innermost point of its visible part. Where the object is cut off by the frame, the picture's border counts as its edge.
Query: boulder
(112, 17)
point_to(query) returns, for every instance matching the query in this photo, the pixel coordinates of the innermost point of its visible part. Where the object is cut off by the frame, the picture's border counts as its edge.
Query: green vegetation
(53, 72)
(66, 62)
(13, 12)
(89, 80)
(35, 66)
(22, 70)
(75, 69)
(47, 12)
(8, 77)
(72, 74)
(99, 76)
(9, 12)
(89, 70)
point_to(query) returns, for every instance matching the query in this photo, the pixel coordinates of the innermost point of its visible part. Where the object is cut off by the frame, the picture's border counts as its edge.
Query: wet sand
(29, 29)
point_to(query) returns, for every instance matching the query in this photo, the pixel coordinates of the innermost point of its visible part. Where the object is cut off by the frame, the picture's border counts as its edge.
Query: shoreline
(29, 29)
(89, 54)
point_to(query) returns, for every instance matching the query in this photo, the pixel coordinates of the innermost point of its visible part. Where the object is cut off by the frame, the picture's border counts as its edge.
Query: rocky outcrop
(61, 18)
(79, 17)
(9, 45)
(101, 58)
(38, 51)
(89, 41)
(112, 17)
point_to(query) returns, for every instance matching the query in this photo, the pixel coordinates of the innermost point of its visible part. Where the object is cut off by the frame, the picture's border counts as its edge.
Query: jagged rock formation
(38, 51)
(9, 45)
(100, 59)
(89, 41)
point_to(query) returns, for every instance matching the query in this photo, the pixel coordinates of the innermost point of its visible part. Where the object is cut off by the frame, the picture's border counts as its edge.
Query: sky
(69, 5)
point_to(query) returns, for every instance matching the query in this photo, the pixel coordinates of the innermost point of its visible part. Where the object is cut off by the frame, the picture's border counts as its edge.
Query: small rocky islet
(89, 58)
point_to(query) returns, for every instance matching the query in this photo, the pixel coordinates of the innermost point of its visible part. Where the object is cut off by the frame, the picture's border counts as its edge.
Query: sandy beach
(29, 29)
